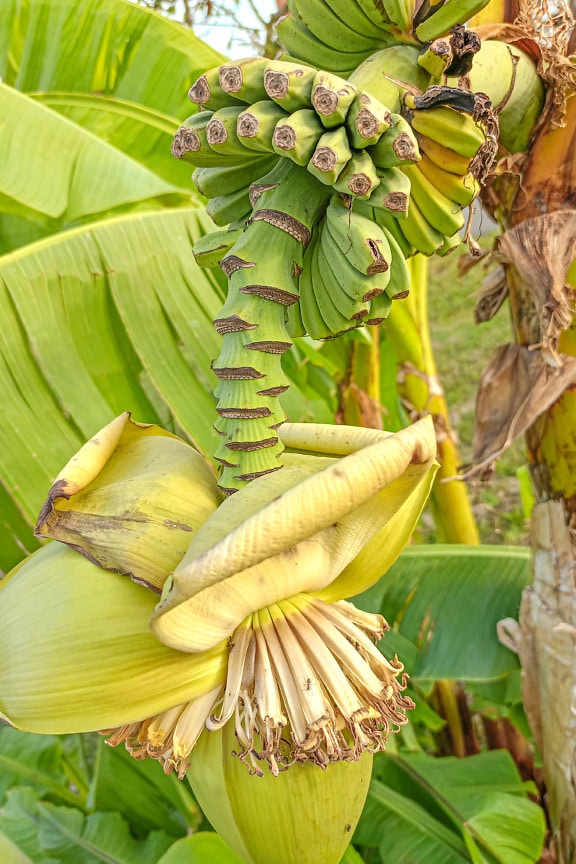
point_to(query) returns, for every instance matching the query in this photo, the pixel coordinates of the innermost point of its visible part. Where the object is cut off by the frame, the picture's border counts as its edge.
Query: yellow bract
(297, 530)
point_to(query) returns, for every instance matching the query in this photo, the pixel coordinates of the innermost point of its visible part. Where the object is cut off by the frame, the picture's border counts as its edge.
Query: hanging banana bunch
(322, 190)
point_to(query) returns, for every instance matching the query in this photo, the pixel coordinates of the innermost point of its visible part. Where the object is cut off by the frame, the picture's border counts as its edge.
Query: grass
(462, 350)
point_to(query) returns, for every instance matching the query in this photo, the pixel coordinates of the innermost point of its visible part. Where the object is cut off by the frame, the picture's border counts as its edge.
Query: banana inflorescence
(322, 187)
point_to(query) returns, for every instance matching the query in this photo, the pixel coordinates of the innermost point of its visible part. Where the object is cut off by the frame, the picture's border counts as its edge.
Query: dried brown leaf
(516, 387)
(541, 250)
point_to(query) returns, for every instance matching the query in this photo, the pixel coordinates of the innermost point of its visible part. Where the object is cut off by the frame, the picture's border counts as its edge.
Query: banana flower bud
(251, 647)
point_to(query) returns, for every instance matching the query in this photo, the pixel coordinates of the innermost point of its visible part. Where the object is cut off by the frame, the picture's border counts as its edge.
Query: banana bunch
(339, 35)
(316, 119)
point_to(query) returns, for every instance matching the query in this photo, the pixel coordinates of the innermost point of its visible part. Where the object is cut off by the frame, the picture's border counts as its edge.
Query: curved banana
(393, 193)
(418, 231)
(256, 125)
(446, 125)
(331, 155)
(359, 177)
(459, 188)
(302, 45)
(298, 135)
(330, 28)
(441, 212)
(361, 241)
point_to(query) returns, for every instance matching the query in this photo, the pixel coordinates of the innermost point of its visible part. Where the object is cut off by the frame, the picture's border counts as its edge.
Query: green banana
(289, 84)
(303, 46)
(393, 193)
(255, 126)
(367, 120)
(459, 188)
(442, 213)
(400, 13)
(298, 135)
(385, 72)
(359, 177)
(449, 245)
(380, 308)
(452, 12)
(456, 129)
(225, 209)
(244, 79)
(374, 10)
(331, 155)
(399, 285)
(312, 320)
(191, 144)
(391, 225)
(207, 93)
(397, 146)
(418, 231)
(436, 57)
(357, 19)
(353, 310)
(331, 29)
(331, 98)
(443, 157)
(359, 287)
(212, 248)
(224, 179)
(335, 321)
(222, 136)
(510, 79)
(363, 242)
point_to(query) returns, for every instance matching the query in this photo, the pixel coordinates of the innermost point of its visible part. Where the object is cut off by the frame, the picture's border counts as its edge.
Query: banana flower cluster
(180, 623)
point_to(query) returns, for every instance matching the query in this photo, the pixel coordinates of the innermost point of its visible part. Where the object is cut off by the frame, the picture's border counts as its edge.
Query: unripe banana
(255, 126)
(441, 20)
(244, 79)
(379, 74)
(397, 146)
(212, 248)
(298, 135)
(289, 84)
(317, 16)
(331, 98)
(335, 321)
(447, 126)
(363, 18)
(301, 44)
(390, 225)
(224, 179)
(380, 307)
(359, 177)
(400, 13)
(363, 243)
(294, 324)
(367, 120)
(225, 209)
(331, 155)
(359, 287)
(510, 79)
(191, 144)
(459, 188)
(222, 136)
(449, 245)
(436, 57)
(419, 232)
(399, 284)
(444, 157)
(393, 193)
(312, 320)
(353, 309)
(443, 214)
(207, 93)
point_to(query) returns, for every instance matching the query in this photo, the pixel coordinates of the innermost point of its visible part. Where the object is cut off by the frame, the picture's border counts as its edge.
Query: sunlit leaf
(206, 847)
(443, 604)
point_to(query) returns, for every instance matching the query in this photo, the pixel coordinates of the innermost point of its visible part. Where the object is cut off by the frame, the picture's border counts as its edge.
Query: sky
(228, 39)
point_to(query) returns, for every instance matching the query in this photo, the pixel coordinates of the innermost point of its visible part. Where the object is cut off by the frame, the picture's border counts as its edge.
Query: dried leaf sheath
(262, 267)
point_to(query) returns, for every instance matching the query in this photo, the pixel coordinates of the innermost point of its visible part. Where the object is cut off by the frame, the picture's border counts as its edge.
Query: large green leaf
(145, 134)
(109, 47)
(444, 603)
(423, 808)
(47, 833)
(206, 847)
(96, 321)
(58, 170)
